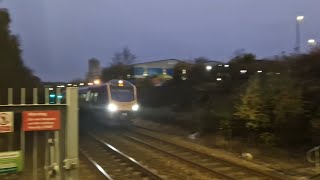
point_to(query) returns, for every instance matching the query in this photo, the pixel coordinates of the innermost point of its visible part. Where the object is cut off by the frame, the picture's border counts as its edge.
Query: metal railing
(60, 146)
(313, 156)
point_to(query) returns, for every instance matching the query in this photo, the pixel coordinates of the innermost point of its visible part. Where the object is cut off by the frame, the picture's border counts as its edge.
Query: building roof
(158, 61)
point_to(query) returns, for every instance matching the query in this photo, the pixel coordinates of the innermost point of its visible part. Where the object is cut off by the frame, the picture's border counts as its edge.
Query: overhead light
(97, 81)
(243, 71)
(208, 68)
(226, 65)
(259, 71)
(81, 84)
(219, 79)
(300, 18)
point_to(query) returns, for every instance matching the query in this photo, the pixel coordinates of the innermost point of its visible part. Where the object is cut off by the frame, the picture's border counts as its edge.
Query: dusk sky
(59, 36)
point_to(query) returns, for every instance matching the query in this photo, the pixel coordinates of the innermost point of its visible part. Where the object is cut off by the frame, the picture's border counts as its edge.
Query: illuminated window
(164, 71)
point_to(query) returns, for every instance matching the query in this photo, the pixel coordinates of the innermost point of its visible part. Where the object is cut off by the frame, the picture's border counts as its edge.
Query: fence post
(10, 135)
(72, 135)
(35, 141)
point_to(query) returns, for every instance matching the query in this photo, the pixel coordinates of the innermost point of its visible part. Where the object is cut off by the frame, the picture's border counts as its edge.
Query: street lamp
(312, 42)
(208, 68)
(299, 19)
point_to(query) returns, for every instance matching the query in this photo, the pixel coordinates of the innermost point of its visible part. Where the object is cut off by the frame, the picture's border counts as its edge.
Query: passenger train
(114, 102)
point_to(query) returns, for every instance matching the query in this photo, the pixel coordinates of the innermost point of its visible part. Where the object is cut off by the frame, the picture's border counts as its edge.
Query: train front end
(122, 104)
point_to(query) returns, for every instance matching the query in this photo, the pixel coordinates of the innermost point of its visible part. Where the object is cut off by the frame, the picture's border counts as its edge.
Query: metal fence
(313, 156)
(42, 140)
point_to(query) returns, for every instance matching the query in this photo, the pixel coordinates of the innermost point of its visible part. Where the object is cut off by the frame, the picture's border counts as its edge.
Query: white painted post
(72, 135)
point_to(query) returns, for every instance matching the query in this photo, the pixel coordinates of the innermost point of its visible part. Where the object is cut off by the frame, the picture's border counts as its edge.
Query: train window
(95, 97)
(88, 96)
(102, 98)
(82, 97)
(122, 94)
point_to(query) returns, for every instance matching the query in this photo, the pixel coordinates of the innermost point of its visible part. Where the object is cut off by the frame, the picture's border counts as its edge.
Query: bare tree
(125, 57)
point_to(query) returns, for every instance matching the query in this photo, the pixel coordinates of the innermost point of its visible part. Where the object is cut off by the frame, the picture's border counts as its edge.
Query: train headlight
(112, 107)
(135, 107)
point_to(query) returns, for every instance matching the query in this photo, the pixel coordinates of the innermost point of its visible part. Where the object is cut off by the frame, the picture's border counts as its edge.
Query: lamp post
(312, 42)
(299, 19)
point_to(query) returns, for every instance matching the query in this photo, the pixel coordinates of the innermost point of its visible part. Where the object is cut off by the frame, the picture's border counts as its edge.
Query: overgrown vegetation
(275, 102)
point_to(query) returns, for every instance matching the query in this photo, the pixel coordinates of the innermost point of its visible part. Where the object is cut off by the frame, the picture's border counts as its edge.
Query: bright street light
(219, 79)
(208, 68)
(300, 18)
(312, 42)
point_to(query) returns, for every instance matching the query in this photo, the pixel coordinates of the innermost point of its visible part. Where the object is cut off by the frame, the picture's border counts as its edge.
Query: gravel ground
(285, 165)
(162, 164)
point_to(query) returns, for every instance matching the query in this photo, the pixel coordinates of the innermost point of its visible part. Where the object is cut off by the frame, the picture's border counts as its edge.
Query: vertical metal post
(35, 141)
(57, 154)
(71, 143)
(298, 37)
(23, 96)
(58, 94)
(10, 96)
(46, 95)
(317, 156)
(57, 139)
(35, 155)
(35, 95)
(22, 146)
(47, 151)
(46, 156)
(10, 135)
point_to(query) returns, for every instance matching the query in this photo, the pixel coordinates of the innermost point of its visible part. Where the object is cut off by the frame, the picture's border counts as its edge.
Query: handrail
(313, 156)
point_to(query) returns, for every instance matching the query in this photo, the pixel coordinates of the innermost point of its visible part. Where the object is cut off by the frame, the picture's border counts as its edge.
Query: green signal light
(52, 95)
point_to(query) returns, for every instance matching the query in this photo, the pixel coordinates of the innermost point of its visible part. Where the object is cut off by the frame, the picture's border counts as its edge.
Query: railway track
(111, 162)
(220, 168)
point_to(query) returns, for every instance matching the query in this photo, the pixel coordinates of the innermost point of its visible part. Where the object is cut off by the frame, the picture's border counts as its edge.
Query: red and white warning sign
(6, 122)
(41, 120)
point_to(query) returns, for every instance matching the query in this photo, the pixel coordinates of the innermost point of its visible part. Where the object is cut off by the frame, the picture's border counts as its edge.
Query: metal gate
(44, 143)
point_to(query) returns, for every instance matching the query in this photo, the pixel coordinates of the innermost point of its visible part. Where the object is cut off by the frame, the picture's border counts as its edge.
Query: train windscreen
(122, 94)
